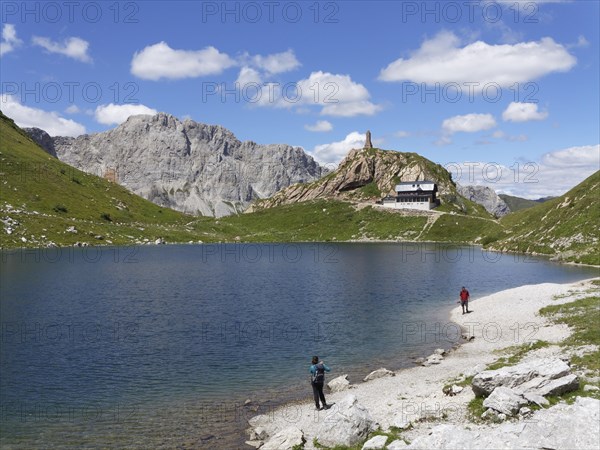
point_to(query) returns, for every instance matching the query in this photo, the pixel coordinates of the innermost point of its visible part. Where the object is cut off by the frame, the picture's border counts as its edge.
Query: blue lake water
(159, 346)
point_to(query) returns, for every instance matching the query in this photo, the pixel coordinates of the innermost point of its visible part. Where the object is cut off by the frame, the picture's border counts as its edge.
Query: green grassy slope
(517, 203)
(40, 197)
(335, 220)
(567, 227)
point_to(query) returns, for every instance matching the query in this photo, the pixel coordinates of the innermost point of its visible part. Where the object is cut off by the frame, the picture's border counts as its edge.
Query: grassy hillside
(334, 220)
(41, 197)
(517, 203)
(567, 226)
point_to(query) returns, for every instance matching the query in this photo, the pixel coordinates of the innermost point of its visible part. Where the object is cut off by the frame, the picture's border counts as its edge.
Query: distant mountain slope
(42, 198)
(368, 174)
(486, 197)
(518, 203)
(567, 227)
(188, 166)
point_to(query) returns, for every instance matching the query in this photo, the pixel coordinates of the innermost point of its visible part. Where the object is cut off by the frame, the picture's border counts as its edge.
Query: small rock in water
(247, 402)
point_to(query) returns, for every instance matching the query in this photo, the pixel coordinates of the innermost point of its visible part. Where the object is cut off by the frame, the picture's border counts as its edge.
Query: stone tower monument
(368, 143)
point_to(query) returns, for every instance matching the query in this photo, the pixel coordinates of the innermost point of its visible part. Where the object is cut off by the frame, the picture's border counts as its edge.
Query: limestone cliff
(185, 165)
(486, 197)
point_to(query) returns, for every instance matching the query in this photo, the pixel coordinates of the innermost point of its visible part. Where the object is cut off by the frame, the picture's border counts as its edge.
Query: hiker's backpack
(319, 376)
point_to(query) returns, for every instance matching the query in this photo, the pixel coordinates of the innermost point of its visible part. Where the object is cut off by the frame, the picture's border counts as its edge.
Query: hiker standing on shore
(464, 299)
(317, 380)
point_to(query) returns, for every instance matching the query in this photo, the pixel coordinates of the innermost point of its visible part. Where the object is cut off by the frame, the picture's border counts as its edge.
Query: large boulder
(339, 384)
(560, 386)
(514, 376)
(505, 400)
(285, 439)
(346, 423)
(379, 373)
(375, 443)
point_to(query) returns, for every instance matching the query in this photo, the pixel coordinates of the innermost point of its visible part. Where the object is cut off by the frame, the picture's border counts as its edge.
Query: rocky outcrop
(339, 384)
(510, 388)
(531, 377)
(286, 439)
(562, 426)
(187, 166)
(505, 401)
(43, 139)
(486, 197)
(366, 174)
(347, 424)
(375, 443)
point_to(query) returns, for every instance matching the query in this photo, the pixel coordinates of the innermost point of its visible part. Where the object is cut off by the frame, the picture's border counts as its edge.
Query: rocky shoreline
(427, 406)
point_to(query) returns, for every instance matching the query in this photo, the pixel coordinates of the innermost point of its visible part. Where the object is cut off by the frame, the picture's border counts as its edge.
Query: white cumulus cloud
(275, 63)
(338, 94)
(320, 126)
(49, 121)
(334, 152)
(247, 76)
(161, 61)
(441, 59)
(9, 39)
(112, 114)
(523, 112)
(586, 156)
(72, 47)
(551, 175)
(468, 123)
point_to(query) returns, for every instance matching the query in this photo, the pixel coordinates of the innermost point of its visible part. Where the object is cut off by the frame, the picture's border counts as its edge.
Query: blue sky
(509, 87)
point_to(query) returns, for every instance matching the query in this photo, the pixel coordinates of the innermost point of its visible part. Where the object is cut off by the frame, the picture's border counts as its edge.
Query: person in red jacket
(464, 299)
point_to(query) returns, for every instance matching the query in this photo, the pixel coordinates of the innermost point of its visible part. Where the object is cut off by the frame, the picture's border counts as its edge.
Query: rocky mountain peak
(41, 138)
(366, 173)
(486, 197)
(188, 166)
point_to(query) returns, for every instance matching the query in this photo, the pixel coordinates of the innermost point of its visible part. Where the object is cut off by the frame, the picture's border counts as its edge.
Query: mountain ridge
(185, 165)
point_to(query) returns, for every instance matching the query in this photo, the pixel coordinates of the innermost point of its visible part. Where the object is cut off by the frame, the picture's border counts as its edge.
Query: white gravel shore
(497, 321)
